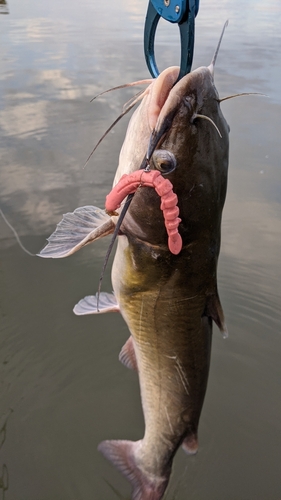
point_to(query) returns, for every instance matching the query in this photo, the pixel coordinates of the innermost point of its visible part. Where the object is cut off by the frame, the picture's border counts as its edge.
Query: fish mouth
(159, 92)
(186, 98)
(167, 96)
(158, 135)
(162, 87)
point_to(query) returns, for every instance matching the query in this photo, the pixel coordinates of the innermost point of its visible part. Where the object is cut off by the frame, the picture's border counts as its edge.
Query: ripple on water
(251, 300)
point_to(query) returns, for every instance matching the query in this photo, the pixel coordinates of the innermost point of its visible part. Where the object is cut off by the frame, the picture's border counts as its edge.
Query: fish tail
(123, 456)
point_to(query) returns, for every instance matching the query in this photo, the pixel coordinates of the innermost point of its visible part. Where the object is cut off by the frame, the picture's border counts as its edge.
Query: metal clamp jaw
(182, 12)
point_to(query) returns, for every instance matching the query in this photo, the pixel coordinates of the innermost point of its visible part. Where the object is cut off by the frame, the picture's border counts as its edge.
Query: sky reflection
(62, 52)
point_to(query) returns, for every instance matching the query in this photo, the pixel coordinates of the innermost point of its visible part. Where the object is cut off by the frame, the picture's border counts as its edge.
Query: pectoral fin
(90, 305)
(77, 229)
(214, 310)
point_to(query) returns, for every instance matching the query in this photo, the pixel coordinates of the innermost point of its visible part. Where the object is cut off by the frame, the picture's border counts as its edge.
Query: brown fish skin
(169, 301)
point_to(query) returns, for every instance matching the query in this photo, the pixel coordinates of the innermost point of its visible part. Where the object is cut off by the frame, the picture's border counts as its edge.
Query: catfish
(169, 299)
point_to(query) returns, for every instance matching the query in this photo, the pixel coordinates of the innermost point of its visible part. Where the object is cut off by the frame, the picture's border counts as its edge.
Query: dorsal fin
(212, 65)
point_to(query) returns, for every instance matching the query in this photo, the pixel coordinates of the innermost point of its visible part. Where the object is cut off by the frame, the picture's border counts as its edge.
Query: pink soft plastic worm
(129, 183)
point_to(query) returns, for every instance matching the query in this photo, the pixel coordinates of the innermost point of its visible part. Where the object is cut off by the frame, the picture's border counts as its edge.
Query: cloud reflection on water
(29, 88)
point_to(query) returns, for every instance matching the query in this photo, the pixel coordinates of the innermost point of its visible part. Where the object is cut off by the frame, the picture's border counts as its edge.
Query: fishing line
(144, 165)
(126, 205)
(16, 235)
(115, 234)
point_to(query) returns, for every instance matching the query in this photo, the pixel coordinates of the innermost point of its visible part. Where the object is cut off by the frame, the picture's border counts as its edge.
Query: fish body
(168, 301)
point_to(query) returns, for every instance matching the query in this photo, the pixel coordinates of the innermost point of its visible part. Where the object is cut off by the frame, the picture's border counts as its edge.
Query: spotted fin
(127, 355)
(88, 305)
(214, 310)
(123, 455)
(77, 229)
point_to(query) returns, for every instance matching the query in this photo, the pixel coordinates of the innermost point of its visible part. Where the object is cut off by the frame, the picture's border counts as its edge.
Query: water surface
(62, 389)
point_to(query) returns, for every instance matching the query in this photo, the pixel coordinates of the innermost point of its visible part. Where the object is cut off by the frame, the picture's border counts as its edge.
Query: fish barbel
(168, 300)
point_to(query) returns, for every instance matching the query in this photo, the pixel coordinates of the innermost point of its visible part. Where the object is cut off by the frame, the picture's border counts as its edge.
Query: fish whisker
(137, 97)
(241, 94)
(109, 129)
(125, 85)
(127, 107)
(210, 120)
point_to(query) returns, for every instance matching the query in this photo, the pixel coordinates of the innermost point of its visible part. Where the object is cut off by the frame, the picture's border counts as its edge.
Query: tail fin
(122, 455)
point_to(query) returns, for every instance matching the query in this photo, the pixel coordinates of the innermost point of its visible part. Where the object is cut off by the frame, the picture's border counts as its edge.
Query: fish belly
(172, 342)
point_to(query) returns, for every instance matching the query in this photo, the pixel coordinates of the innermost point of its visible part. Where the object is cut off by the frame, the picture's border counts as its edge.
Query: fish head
(184, 135)
(192, 128)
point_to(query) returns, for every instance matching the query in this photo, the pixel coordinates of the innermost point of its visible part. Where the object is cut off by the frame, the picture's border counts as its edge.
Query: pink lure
(130, 183)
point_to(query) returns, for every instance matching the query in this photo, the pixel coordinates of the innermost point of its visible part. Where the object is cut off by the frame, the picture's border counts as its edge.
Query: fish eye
(164, 161)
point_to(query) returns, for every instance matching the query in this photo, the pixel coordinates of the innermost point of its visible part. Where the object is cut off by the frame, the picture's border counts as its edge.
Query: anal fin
(214, 310)
(127, 355)
(90, 305)
(77, 229)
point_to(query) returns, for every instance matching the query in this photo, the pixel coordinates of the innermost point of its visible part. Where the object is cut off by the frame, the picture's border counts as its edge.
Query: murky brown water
(62, 389)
